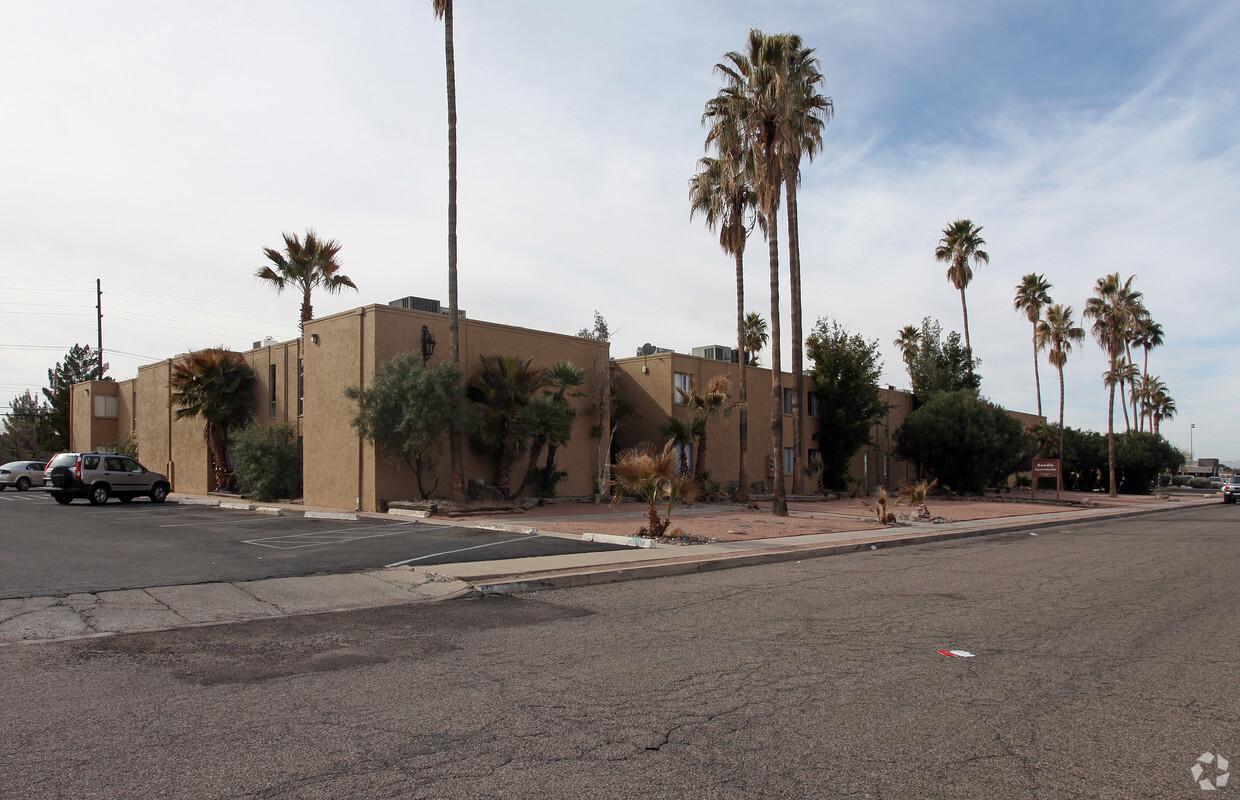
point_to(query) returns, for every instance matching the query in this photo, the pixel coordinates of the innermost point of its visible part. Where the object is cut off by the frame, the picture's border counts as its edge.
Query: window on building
(271, 378)
(105, 406)
(790, 459)
(811, 404)
(788, 395)
(680, 383)
(301, 386)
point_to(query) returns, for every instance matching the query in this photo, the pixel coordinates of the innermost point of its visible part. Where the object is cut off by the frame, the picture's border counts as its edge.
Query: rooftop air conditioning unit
(715, 352)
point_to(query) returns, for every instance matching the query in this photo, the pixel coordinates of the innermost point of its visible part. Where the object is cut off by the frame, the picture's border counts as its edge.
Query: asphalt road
(49, 549)
(1106, 665)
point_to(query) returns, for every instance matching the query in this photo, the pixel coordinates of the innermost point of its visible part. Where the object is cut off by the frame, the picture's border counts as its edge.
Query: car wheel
(63, 499)
(98, 494)
(158, 493)
(23, 483)
(1, 487)
(125, 498)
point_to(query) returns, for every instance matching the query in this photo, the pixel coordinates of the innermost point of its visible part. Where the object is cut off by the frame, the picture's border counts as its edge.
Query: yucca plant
(915, 495)
(647, 472)
(881, 507)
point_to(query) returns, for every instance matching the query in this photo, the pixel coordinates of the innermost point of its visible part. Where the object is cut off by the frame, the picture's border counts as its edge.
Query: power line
(196, 300)
(213, 313)
(164, 322)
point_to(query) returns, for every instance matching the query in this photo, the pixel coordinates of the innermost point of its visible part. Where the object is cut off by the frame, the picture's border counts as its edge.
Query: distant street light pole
(1190, 443)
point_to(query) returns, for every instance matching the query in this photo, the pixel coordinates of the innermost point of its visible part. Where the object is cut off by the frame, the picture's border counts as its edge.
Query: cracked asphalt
(1106, 663)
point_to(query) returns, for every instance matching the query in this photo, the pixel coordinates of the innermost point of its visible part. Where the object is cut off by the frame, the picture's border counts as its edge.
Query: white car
(21, 475)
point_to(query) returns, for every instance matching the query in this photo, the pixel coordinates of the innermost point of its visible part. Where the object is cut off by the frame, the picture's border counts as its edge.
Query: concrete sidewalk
(161, 608)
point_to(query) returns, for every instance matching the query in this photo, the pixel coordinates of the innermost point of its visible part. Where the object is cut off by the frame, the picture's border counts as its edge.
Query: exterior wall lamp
(314, 337)
(428, 344)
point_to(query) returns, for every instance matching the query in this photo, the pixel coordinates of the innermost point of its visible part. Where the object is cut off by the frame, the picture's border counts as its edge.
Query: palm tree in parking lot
(217, 385)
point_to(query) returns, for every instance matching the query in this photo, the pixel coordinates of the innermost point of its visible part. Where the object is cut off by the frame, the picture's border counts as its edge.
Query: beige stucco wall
(648, 381)
(342, 471)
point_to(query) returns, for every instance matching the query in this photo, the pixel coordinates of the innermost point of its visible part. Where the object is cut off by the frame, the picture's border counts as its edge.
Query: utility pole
(99, 320)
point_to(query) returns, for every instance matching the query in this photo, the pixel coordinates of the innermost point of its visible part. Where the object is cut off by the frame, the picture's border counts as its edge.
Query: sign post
(1046, 468)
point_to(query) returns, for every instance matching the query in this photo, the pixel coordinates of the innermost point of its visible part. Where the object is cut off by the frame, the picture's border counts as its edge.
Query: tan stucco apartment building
(303, 382)
(306, 388)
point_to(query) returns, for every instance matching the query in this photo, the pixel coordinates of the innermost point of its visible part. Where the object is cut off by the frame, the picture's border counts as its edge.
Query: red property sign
(1046, 468)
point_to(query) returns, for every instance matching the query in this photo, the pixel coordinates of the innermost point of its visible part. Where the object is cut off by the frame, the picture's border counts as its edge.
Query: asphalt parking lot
(49, 549)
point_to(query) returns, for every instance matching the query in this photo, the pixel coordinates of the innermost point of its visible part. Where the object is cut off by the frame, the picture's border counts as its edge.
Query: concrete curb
(690, 564)
(197, 501)
(339, 515)
(238, 506)
(408, 512)
(501, 527)
(271, 511)
(626, 541)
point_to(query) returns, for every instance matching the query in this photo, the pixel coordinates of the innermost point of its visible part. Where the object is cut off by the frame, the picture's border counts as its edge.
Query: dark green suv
(98, 476)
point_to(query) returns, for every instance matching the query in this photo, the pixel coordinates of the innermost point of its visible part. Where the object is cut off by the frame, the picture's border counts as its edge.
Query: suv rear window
(90, 462)
(63, 460)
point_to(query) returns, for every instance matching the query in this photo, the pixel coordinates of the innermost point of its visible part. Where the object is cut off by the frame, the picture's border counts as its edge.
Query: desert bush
(268, 461)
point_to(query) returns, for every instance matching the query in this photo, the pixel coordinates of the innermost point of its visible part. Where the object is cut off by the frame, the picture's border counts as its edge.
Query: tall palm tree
(755, 94)
(443, 10)
(1162, 407)
(305, 265)
(1147, 334)
(1150, 386)
(908, 340)
(1056, 334)
(1032, 295)
(217, 385)
(807, 113)
(756, 336)
(723, 191)
(961, 249)
(1112, 309)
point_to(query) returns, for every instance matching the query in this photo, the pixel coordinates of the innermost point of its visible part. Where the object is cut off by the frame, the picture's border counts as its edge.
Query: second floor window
(680, 383)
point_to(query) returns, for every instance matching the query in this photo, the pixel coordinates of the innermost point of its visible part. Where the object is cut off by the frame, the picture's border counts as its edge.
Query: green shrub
(1179, 480)
(268, 461)
(1199, 483)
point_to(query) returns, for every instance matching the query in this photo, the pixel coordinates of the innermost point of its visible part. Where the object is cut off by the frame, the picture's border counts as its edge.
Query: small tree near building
(81, 364)
(941, 365)
(20, 435)
(408, 411)
(268, 461)
(846, 369)
(964, 441)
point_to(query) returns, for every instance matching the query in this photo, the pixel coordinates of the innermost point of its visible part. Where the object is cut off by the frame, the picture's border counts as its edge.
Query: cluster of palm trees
(767, 117)
(1119, 321)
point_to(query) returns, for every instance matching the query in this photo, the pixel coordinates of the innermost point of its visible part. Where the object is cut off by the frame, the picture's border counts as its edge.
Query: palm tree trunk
(457, 465)
(967, 346)
(699, 462)
(794, 293)
(1123, 404)
(1037, 379)
(1061, 458)
(307, 311)
(779, 501)
(742, 490)
(536, 448)
(1111, 433)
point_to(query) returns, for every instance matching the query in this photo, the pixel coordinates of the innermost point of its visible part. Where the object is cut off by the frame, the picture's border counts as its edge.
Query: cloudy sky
(159, 146)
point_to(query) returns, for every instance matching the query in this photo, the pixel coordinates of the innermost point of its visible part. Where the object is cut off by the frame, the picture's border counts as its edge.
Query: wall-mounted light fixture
(314, 337)
(428, 344)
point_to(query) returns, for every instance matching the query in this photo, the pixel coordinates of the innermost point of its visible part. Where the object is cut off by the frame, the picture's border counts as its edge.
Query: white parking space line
(294, 541)
(216, 522)
(451, 552)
